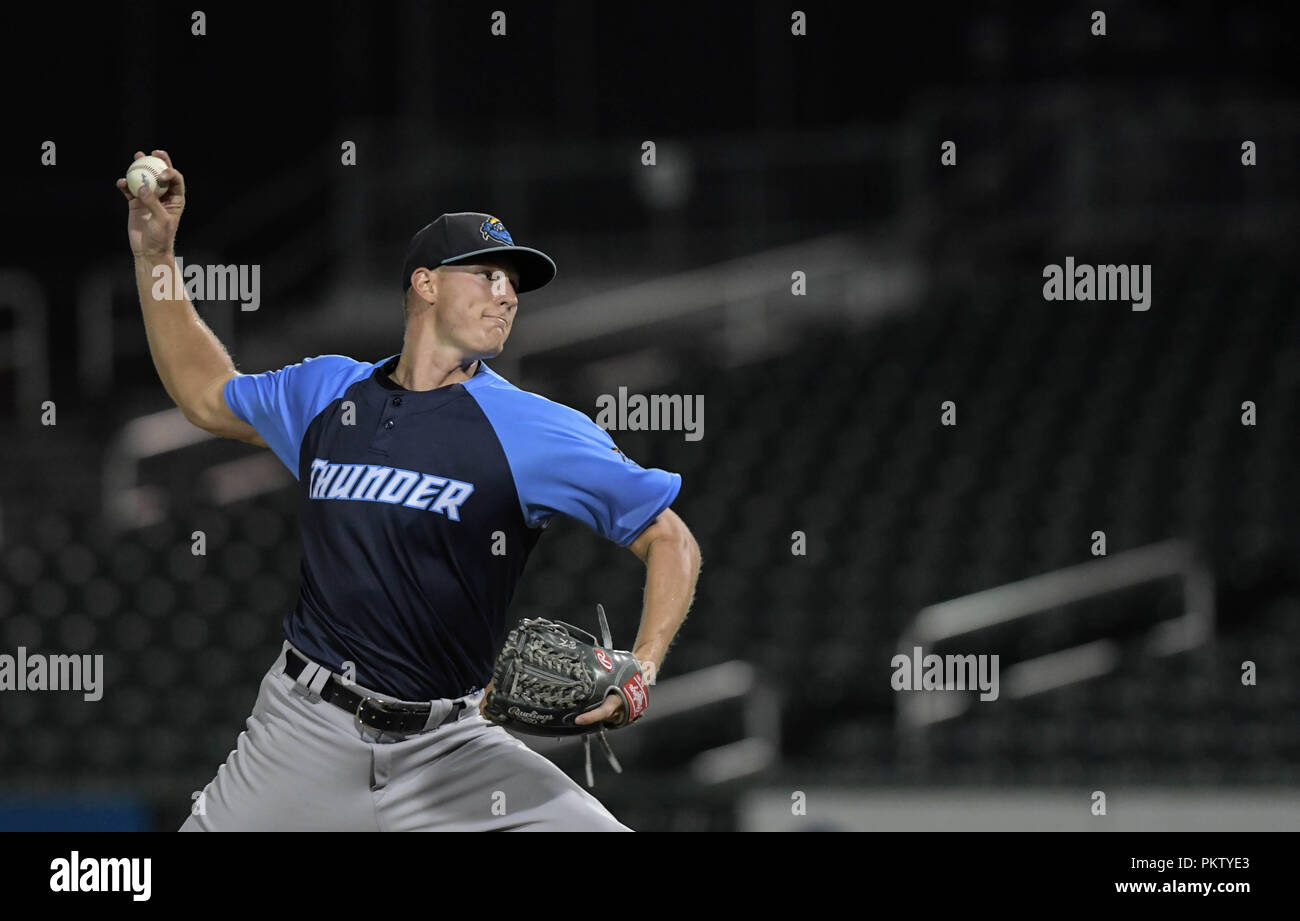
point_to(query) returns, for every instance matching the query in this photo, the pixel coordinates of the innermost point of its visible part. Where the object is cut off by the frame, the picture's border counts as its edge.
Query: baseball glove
(549, 672)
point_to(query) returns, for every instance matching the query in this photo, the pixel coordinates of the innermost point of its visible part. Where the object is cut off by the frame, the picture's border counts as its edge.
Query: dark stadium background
(776, 154)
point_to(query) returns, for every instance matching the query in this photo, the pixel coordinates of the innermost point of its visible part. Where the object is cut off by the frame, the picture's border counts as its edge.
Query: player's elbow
(697, 558)
(199, 417)
(687, 545)
(226, 427)
(195, 417)
(207, 409)
(671, 533)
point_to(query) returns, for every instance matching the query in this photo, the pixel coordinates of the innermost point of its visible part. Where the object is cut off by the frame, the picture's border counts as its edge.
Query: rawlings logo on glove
(635, 696)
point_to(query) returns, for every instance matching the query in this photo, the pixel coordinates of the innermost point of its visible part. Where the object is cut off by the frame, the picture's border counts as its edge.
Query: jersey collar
(483, 377)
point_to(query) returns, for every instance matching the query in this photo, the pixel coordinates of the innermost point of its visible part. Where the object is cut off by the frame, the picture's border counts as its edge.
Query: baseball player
(425, 480)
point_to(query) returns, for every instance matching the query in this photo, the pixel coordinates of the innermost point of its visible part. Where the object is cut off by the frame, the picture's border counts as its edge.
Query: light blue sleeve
(281, 404)
(565, 464)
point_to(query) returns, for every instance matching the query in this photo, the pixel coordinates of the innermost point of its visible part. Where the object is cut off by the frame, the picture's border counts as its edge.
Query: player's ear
(424, 285)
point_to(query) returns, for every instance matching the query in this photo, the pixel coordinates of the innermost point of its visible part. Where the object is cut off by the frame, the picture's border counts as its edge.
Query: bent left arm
(672, 560)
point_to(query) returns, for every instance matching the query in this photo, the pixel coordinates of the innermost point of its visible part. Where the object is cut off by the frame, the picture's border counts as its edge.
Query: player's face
(476, 306)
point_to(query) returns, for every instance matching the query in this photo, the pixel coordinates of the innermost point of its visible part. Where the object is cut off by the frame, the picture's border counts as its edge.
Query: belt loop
(434, 721)
(455, 712)
(319, 681)
(310, 681)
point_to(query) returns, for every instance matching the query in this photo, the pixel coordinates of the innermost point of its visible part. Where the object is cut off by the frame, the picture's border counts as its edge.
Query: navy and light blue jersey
(419, 510)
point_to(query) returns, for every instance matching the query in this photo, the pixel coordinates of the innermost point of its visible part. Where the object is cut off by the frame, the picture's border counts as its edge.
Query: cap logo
(493, 229)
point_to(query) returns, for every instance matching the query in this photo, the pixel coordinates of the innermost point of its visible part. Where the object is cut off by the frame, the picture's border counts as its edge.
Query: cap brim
(535, 268)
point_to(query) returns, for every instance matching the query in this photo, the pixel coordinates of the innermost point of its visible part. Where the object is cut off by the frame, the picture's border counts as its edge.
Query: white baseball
(146, 171)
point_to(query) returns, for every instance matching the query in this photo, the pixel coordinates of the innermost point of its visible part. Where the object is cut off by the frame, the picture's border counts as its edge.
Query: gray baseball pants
(302, 764)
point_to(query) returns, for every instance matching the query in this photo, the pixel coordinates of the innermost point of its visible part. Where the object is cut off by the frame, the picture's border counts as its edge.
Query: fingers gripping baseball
(155, 192)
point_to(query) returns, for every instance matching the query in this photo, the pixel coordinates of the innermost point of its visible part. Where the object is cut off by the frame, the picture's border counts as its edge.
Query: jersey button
(397, 401)
(389, 424)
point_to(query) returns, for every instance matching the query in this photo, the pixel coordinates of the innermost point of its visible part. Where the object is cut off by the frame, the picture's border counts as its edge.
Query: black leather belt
(380, 715)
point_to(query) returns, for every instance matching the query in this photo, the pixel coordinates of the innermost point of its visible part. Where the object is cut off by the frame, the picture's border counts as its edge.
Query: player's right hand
(152, 220)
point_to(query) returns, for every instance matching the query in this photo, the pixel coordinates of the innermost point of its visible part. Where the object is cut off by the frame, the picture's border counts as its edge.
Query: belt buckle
(375, 704)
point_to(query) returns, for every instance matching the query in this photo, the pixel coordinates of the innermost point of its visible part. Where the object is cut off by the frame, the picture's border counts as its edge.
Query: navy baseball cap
(467, 236)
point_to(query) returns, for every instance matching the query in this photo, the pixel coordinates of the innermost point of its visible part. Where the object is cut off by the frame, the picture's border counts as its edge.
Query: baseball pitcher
(424, 482)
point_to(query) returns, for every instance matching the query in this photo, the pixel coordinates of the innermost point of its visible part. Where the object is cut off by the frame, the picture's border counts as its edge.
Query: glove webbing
(540, 686)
